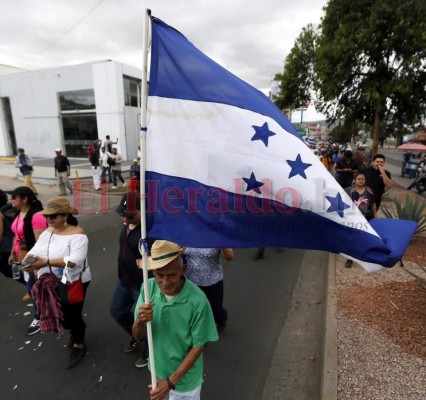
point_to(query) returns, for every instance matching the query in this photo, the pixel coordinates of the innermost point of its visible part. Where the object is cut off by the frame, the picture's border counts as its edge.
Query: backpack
(110, 161)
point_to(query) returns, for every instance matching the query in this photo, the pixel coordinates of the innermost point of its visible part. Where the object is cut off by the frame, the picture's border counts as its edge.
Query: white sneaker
(124, 184)
(114, 187)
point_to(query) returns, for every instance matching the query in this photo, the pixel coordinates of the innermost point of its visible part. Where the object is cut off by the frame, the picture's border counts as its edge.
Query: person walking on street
(363, 197)
(130, 277)
(182, 324)
(116, 169)
(108, 143)
(62, 172)
(104, 155)
(25, 164)
(345, 169)
(7, 216)
(94, 159)
(60, 258)
(205, 270)
(27, 228)
(377, 178)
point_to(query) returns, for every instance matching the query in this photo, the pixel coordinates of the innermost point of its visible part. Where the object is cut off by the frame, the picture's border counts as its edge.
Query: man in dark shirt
(377, 178)
(345, 169)
(130, 277)
(62, 172)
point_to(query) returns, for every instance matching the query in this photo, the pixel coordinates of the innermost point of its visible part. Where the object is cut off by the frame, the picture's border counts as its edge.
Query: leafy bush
(408, 208)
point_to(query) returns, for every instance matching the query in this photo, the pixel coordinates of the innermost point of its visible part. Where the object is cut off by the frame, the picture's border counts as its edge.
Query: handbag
(71, 292)
(22, 251)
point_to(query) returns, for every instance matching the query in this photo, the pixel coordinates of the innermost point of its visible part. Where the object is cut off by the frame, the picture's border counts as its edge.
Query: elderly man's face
(170, 278)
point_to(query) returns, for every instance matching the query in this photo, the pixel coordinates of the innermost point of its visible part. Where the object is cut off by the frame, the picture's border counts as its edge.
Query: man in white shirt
(105, 166)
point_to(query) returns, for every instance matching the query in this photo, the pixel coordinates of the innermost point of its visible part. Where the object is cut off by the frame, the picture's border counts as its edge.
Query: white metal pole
(143, 131)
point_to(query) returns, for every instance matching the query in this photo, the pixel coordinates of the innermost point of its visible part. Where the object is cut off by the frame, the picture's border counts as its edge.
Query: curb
(329, 373)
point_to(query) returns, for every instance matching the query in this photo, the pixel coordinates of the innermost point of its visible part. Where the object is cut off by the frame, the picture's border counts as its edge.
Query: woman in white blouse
(62, 249)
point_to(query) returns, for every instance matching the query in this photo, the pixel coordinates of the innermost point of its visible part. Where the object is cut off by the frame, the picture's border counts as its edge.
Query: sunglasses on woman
(127, 214)
(52, 216)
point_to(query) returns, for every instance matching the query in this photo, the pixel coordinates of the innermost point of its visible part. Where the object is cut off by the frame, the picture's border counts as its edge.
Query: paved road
(270, 350)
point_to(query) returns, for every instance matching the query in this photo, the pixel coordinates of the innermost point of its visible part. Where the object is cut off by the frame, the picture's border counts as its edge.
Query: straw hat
(58, 205)
(163, 252)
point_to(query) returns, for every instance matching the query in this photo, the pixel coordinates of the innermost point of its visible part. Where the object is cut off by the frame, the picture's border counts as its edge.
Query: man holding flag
(182, 324)
(222, 161)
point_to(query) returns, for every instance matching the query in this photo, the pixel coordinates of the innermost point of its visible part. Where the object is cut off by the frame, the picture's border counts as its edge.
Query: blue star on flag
(337, 204)
(262, 133)
(253, 184)
(298, 167)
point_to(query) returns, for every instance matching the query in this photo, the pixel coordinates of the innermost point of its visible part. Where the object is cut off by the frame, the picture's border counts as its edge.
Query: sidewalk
(44, 172)
(44, 176)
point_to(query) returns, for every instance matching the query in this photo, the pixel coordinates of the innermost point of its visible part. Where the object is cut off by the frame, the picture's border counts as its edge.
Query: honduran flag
(225, 168)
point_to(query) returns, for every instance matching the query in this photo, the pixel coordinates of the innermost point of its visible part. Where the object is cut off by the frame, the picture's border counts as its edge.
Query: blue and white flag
(225, 168)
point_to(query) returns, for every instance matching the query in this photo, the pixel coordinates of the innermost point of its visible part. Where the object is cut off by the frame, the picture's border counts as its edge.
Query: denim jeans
(123, 301)
(104, 172)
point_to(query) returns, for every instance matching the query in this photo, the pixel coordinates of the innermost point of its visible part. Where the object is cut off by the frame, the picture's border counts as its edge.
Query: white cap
(58, 150)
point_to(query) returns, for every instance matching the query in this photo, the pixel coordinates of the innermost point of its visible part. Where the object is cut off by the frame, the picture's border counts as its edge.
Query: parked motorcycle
(420, 180)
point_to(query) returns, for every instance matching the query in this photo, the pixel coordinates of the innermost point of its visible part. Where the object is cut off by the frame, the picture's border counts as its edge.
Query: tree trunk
(376, 134)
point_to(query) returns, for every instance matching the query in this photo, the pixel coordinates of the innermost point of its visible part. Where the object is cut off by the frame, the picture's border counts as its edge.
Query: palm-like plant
(408, 208)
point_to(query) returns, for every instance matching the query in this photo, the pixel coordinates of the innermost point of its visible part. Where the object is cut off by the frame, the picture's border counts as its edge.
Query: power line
(72, 27)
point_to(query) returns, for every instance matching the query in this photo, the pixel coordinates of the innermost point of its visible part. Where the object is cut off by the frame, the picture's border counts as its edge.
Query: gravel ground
(375, 349)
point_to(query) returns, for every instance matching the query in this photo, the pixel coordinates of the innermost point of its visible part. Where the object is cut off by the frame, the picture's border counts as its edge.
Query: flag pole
(143, 131)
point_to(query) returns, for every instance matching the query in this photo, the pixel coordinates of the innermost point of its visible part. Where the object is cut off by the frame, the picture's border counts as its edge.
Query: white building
(69, 107)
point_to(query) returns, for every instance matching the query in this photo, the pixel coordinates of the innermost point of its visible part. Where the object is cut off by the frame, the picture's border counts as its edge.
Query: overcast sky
(251, 39)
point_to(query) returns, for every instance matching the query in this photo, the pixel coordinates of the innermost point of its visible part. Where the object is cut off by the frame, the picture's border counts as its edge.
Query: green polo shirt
(184, 322)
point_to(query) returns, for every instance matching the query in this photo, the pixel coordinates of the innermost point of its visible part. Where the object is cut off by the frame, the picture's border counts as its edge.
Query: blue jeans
(104, 171)
(123, 301)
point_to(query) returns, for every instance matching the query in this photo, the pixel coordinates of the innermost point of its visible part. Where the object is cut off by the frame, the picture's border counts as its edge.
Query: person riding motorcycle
(420, 180)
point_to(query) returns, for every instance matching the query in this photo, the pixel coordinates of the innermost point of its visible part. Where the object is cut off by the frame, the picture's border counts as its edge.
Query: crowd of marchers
(44, 248)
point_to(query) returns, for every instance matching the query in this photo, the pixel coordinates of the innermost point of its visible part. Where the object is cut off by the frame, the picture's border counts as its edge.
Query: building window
(132, 91)
(80, 131)
(79, 124)
(77, 100)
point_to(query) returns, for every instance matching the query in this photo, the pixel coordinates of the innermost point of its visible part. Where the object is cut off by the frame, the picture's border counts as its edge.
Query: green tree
(297, 79)
(371, 62)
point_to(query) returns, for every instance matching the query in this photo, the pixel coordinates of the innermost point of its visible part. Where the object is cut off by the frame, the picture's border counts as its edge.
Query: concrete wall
(114, 118)
(35, 104)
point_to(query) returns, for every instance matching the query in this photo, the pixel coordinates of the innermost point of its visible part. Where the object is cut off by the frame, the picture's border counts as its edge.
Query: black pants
(114, 177)
(214, 295)
(73, 319)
